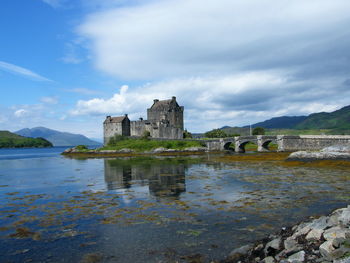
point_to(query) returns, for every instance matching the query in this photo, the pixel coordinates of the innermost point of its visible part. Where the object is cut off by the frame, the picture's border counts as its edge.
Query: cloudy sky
(67, 64)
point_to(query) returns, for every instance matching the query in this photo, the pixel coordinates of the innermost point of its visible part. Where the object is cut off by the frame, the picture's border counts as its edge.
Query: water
(59, 209)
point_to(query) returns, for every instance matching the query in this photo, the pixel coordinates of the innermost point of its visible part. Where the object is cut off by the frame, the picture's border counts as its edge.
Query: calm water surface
(58, 209)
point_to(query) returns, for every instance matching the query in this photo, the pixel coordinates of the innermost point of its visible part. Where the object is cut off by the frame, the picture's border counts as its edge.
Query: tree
(187, 134)
(216, 133)
(259, 131)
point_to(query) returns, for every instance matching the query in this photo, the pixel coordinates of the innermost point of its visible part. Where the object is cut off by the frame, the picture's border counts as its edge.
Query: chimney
(173, 98)
(155, 100)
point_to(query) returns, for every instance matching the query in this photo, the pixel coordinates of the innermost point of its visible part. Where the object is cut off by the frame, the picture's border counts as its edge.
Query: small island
(12, 140)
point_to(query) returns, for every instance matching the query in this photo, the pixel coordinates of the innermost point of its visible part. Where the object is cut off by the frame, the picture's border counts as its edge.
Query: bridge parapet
(284, 142)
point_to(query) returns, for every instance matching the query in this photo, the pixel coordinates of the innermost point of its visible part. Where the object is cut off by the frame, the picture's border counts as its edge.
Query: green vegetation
(259, 131)
(139, 145)
(187, 134)
(339, 119)
(11, 140)
(216, 133)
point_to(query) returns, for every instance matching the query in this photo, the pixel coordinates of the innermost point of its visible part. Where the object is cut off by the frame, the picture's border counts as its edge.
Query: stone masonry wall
(310, 142)
(110, 129)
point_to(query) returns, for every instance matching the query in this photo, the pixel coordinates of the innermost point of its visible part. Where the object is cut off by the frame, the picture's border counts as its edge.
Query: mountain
(56, 137)
(284, 122)
(11, 140)
(339, 119)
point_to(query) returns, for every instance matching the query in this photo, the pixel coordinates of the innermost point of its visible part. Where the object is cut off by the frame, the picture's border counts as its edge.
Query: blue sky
(66, 64)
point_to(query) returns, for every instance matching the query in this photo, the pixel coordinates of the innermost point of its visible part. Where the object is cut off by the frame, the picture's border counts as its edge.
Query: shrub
(187, 134)
(81, 147)
(146, 135)
(216, 133)
(259, 131)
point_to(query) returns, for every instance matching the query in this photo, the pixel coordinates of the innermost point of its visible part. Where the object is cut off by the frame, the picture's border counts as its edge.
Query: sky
(66, 64)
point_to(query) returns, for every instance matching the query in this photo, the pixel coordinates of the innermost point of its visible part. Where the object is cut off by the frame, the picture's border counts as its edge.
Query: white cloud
(20, 113)
(213, 102)
(22, 71)
(191, 37)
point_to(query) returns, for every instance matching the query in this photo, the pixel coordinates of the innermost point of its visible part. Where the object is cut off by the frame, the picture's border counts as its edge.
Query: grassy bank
(141, 145)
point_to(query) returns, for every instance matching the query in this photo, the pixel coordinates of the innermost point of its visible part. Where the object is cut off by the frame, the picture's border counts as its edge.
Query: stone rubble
(322, 240)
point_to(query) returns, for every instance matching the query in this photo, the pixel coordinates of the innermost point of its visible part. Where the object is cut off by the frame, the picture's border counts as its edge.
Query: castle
(164, 120)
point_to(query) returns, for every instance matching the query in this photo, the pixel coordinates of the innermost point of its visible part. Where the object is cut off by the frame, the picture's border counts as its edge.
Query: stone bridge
(284, 142)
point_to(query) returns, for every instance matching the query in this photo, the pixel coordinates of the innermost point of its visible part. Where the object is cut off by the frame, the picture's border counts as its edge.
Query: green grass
(141, 145)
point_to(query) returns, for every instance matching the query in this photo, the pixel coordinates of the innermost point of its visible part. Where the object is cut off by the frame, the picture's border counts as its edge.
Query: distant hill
(336, 122)
(56, 137)
(284, 122)
(11, 140)
(339, 119)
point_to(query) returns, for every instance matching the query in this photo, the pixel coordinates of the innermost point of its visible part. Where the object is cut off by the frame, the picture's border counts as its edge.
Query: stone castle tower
(167, 111)
(164, 120)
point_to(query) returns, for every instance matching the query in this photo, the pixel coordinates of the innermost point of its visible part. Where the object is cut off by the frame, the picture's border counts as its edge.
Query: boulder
(272, 245)
(337, 232)
(297, 257)
(326, 249)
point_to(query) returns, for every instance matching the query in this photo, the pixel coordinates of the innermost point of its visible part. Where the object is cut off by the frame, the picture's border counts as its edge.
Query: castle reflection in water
(163, 179)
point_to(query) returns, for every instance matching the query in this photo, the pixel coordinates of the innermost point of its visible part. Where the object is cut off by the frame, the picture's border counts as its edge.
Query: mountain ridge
(57, 138)
(336, 120)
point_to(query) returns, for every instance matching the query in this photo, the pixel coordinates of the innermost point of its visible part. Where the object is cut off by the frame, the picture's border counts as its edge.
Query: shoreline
(323, 239)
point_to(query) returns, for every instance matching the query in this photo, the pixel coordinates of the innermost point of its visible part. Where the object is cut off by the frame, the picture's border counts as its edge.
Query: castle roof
(164, 104)
(115, 119)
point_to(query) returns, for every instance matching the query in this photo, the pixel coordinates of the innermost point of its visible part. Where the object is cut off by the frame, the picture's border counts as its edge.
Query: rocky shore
(337, 152)
(322, 240)
(102, 153)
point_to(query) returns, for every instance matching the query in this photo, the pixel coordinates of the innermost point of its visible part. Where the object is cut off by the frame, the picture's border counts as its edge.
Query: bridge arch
(265, 145)
(241, 145)
(228, 146)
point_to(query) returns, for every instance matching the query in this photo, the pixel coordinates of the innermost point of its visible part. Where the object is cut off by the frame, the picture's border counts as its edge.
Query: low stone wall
(310, 142)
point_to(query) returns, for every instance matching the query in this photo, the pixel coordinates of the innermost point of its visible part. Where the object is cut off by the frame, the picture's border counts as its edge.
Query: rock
(125, 150)
(344, 218)
(195, 149)
(291, 245)
(159, 150)
(334, 218)
(343, 260)
(314, 234)
(239, 252)
(337, 148)
(319, 223)
(311, 156)
(297, 257)
(269, 260)
(326, 249)
(68, 150)
(337, 232)
(272, 245)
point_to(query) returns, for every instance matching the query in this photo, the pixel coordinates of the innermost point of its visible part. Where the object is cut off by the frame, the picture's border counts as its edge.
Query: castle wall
(156, 130)
(174, 116)
(110, 129)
